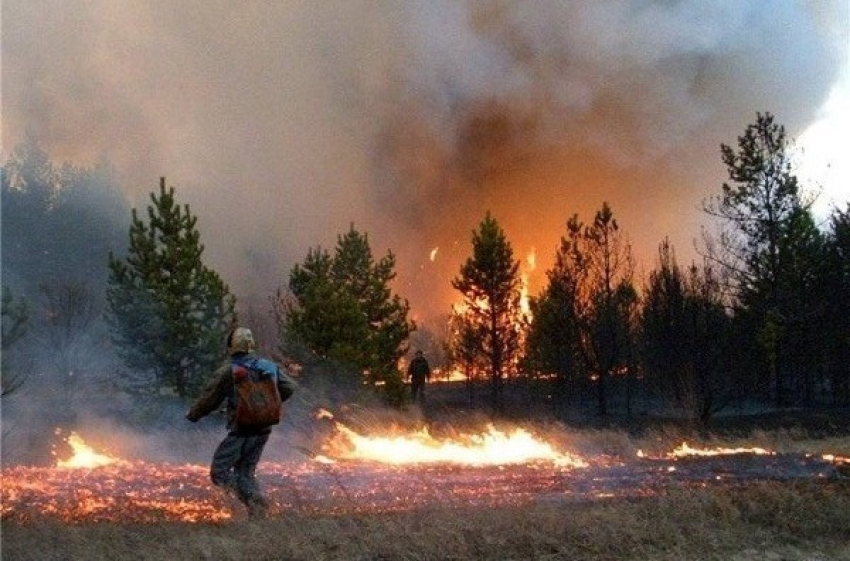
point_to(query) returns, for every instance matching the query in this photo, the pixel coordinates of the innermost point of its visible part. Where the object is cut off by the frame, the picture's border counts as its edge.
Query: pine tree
(169, 313)
(490, 312)
(588, 308)
(768, 240)
(554, 340)
(835, 292)
(342, 311)
(685, 337)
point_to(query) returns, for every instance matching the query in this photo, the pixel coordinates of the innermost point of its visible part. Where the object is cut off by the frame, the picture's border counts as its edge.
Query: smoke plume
(282, 123)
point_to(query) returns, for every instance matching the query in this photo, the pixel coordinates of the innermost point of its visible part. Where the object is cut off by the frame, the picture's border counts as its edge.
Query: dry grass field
(760, 521)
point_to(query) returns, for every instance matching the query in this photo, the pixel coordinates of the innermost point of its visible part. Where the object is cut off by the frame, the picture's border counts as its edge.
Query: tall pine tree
(169, 313)
(770, 247)
(491, 313)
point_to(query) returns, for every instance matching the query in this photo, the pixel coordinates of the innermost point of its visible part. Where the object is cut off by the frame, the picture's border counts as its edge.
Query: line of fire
(353, 472)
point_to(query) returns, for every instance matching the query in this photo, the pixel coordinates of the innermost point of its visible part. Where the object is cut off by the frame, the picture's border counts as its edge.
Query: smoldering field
(628, 499)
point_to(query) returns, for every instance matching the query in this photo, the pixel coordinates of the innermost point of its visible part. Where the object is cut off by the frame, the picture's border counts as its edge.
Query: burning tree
(340, 310)
(169, 312)
(490, 320)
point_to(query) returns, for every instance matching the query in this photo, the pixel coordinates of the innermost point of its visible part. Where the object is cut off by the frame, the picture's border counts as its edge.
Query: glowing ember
(492, 447)
(434, 253)
(324, 414)
(84, 456)
(837, 460)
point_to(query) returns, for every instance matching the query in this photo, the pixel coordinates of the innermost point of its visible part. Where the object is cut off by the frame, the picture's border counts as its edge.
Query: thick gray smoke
(281, 123)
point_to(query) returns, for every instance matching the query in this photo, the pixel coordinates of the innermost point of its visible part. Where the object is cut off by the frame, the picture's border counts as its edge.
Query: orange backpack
(258, 401)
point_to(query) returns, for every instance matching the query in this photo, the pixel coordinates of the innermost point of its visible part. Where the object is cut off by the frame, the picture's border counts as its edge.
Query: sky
(283, 123)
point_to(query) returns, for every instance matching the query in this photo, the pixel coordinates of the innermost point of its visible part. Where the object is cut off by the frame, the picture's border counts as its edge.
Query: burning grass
(773, 495)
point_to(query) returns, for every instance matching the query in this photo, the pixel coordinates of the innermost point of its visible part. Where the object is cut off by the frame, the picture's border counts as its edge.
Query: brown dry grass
(802, 520)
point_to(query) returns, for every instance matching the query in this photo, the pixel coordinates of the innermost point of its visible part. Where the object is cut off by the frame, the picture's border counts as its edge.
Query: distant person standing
(418, 372)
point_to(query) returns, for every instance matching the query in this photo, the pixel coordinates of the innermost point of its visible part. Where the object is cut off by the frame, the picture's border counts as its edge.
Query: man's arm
(285, 385)
(212, 395)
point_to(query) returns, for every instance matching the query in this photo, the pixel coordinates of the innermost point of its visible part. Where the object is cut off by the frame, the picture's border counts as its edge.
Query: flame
(324, 414)
(492, 447)
(433, 256)
(685, 451)
(531, 259)
(439, 375)
(143, 492)
(530, 266)
(84, 456)
(524, 305)
(837, 460)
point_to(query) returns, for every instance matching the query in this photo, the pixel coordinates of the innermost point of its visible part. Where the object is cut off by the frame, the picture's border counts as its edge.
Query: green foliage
(342, 310)
(490, 323)
(169, 312)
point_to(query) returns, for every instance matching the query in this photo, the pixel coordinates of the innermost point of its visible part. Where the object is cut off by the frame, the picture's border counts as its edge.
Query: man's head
(241, 340)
